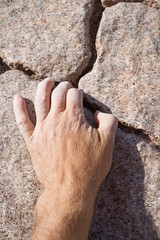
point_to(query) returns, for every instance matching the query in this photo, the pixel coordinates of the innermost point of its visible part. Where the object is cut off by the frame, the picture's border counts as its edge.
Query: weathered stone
(19, 185)
(128, 202)
(151, 3)
(47, 38)
(125, 76)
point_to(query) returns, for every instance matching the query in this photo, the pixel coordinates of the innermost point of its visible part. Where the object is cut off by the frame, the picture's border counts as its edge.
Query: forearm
(63, 218)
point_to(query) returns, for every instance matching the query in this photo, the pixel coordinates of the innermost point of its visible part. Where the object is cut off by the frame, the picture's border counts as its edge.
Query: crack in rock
(42, 42)
(151, 3)
(126, 69)
(93, 105)
(3, 66)
(20, 67)
(93, 29)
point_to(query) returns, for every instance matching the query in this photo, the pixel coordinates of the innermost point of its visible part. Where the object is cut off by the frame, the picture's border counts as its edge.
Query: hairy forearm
(63, 218)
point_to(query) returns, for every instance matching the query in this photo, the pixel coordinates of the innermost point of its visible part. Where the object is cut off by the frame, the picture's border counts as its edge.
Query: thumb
(25, 125)
(107, 124)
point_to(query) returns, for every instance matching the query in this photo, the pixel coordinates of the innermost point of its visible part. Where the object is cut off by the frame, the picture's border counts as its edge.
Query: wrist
(64, 215)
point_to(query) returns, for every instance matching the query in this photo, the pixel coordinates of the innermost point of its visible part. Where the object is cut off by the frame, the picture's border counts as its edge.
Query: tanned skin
(70, 158)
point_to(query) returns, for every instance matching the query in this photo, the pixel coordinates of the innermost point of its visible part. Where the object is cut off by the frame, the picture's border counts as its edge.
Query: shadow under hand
(120, 211)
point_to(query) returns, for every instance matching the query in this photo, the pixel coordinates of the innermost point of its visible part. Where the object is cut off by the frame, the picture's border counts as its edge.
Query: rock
(128, 202)
(151, 3)
(125, 76)
(19, 185)
(46, 38)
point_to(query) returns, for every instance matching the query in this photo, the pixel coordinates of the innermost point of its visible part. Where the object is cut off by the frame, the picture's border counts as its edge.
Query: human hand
(70, 157)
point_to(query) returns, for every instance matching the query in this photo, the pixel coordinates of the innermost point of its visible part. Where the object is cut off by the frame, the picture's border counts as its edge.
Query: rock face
(127, 205)
(153, 3)
(46, 38)
(51, 38)
(19, 185)
(125, 76)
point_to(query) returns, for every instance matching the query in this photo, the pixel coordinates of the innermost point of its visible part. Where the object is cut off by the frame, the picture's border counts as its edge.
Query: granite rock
(46, 38)
(125, 76)
(153, 3)
(19, 185)
(128, 202)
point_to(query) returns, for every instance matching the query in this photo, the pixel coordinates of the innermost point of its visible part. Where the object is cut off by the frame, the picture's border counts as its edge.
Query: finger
(43, 96)
(58, 99)
(25, 125)
(107, 124)
(75, 99)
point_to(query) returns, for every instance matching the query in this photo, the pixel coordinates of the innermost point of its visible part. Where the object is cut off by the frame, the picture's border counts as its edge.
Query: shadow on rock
(120, 212)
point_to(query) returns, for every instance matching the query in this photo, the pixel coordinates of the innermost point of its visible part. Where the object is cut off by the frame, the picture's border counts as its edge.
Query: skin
(70, 158)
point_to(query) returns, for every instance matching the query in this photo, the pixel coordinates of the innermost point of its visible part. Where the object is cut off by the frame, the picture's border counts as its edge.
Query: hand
(70, 157)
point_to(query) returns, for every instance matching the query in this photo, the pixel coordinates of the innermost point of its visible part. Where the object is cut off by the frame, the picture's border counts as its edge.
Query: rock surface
(19, 185)
(127, 205)
(125, 80)
(153, 3)
(125, 76)
(128, 201)
(46, 38)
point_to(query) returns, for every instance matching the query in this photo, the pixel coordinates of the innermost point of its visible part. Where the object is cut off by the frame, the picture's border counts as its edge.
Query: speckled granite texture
(19, 186)
(124, 80)
(126, 75)
(153, 3)
(127, 205)
(49, 38)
